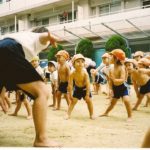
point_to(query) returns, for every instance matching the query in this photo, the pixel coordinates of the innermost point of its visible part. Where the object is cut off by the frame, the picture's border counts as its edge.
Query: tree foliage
(52, 52)
(85, 47)
(117, 41)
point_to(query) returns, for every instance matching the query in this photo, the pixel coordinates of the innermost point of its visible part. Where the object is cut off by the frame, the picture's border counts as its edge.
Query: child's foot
(55, 109)
(46, 143)
(29, 117)
(51, 105)
(134, 108)
(92, 117)
(129, 119)
(95, 93)
(67, 117)
(103, 115)
(13, 114)
(104, 93)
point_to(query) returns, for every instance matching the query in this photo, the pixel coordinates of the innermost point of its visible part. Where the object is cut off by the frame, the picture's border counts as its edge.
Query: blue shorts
(145, 88)
(120, 91)
(63, 87)
(80, 92)
(99, 79)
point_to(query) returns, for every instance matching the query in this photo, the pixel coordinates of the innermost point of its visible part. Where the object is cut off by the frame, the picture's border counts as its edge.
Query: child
(145, 63)
(35, 64)
(141, 80)
(96, 79)
(104, 70)
(79, 83)
(52, 66)
(22, 98)
(138, 55)
(118, 78)
(63, 76)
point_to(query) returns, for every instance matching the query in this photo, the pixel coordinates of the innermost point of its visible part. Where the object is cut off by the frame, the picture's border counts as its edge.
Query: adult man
(16, 52)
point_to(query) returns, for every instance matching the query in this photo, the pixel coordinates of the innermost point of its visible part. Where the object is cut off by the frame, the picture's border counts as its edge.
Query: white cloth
(40, 71)
(89, 62)
(30, 43)
(54, 76)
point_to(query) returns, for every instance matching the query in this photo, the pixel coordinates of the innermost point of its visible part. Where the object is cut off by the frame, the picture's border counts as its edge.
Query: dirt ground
(80, 132)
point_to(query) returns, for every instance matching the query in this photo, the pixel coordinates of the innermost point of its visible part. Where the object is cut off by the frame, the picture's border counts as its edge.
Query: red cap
(119, 54)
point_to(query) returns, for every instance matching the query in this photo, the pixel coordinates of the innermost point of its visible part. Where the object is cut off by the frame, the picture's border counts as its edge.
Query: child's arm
(145, 71)
(135, 87)
(70, 85)
(87, 81)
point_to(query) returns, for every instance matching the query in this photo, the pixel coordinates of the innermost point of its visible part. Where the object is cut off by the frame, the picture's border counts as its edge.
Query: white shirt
(54, 76)
(30, 43)
(40, 71)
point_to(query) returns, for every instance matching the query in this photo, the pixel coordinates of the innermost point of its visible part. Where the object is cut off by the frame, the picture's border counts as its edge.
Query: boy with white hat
(79, 84)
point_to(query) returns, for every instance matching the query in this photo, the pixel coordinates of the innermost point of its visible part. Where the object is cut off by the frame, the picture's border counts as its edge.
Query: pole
(72, 10)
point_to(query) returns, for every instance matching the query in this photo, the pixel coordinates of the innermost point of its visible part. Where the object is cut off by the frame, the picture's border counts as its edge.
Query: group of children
(73, 82)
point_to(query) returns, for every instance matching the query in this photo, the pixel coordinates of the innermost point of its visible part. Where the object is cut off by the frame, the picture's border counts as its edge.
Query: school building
(72, 20)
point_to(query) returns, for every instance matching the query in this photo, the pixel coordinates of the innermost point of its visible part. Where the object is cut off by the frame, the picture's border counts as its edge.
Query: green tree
(85, 47)
(117, 41)
(52, 52)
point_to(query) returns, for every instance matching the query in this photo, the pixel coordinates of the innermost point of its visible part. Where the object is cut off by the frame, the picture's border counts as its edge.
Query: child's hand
(52, 40)
(87, 97)
(111, 93)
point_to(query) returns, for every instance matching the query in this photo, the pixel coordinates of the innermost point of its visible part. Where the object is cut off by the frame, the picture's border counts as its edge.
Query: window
(45, 21)
(110, 7)
(146, 3)
(67, 17)
(4, 30)
(116, 6)
(12, 28)
(104, 9)
(93, 11)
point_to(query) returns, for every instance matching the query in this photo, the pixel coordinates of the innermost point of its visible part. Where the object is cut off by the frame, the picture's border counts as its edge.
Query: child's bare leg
(128, 106)
(54, 100)
(28, 108)
(146, 143)
(71, 106)
(110, 107)
(7, 101)
(58, 100)
(97, 88)
(90, 107)
(67, 99)
(140, 98)
(147, 101)
(18, 106)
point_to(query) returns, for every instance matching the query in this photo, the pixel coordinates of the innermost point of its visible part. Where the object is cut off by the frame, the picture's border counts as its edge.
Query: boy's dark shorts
(80, 92)
(15, 69)
(63, 87)
(120, 91)
(145, 88)
(99, 79)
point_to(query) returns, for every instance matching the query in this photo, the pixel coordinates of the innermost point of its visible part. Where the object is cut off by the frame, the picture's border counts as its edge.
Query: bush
(117, 41)
(85, 47)
(52, 52)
